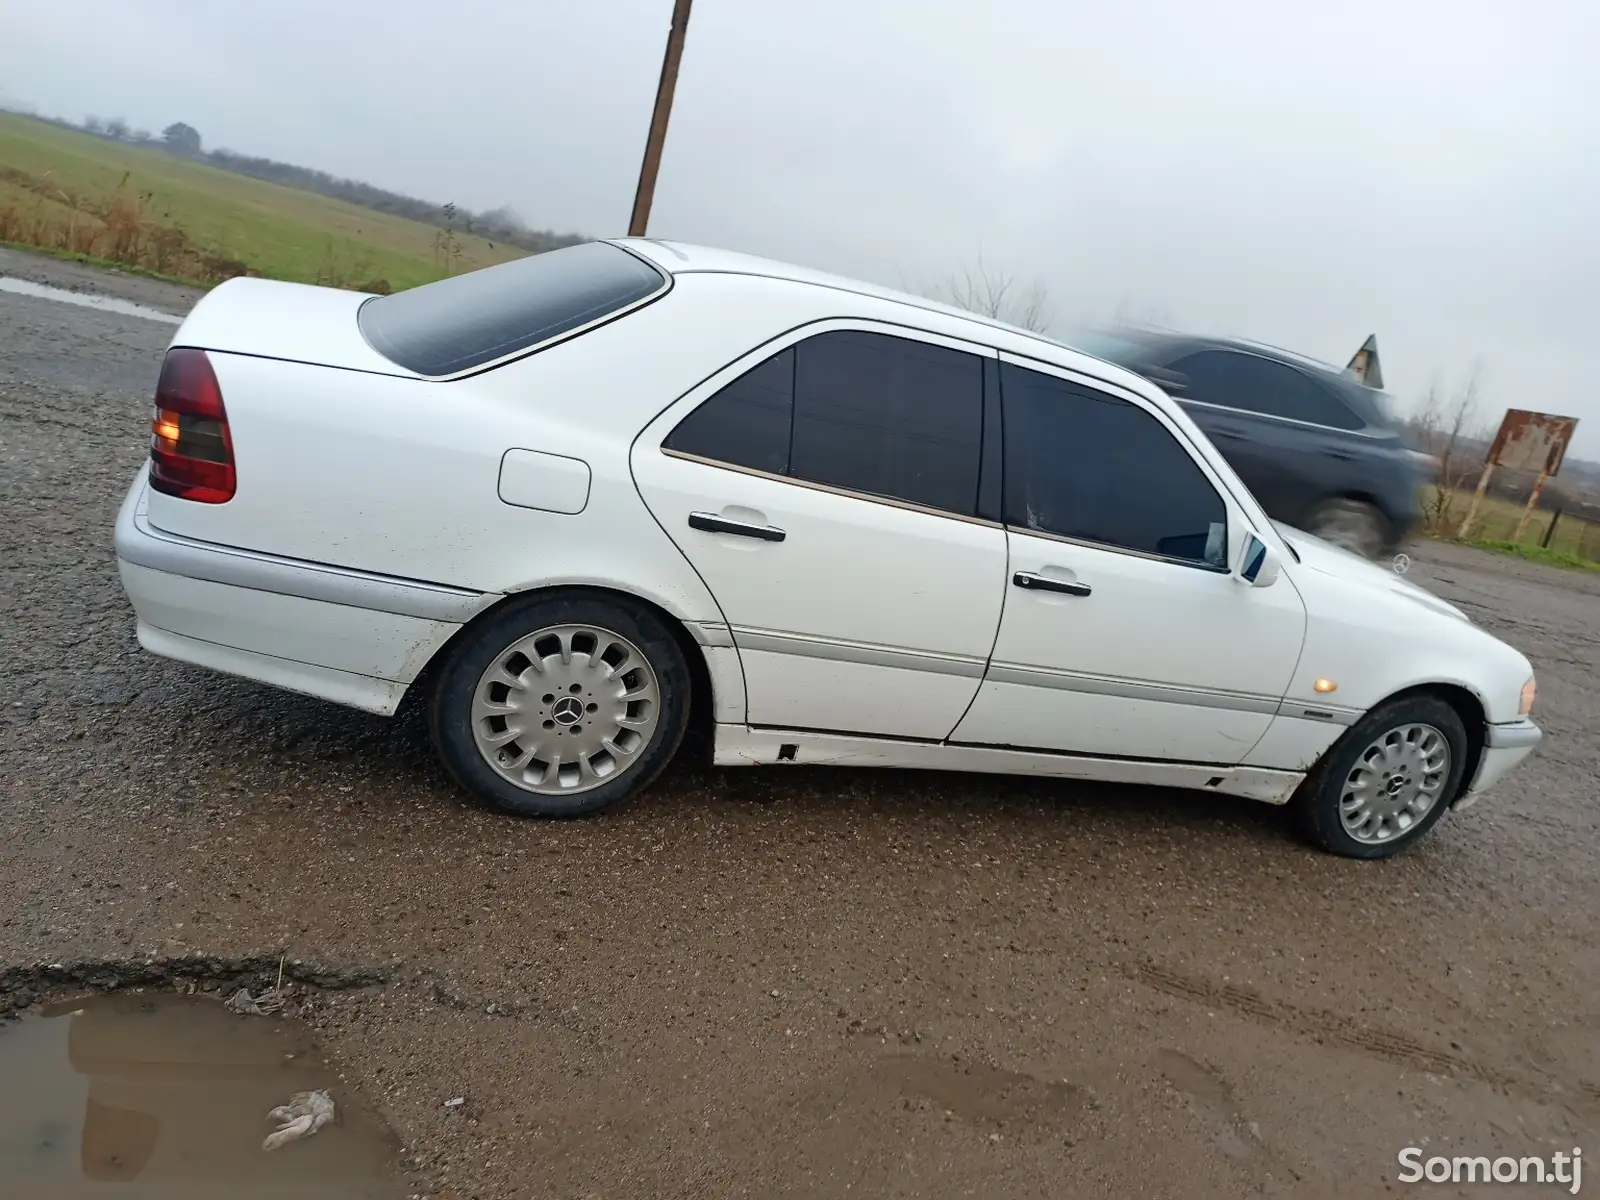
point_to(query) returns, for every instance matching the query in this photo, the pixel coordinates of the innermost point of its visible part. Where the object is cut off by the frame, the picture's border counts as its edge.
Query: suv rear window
(469, 320)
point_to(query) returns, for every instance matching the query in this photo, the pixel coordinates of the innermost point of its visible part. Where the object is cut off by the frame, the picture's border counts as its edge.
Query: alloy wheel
(1395, 782)
(565, 708)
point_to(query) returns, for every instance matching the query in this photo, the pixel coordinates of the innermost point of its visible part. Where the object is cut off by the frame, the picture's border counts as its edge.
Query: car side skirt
(744, 746)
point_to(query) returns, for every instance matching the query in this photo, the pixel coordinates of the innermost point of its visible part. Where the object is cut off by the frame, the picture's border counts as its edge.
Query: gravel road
(821, 983)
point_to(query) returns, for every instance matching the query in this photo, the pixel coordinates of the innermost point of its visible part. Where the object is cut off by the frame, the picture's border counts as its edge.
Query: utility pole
(658, 119)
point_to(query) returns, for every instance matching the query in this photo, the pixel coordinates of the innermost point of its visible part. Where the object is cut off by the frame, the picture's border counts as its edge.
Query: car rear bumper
(1504, 746)
(346, 636)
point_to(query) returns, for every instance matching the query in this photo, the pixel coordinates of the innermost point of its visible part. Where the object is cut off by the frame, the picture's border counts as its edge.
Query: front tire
(1388, 781)
(561, 704)
(1351, 525)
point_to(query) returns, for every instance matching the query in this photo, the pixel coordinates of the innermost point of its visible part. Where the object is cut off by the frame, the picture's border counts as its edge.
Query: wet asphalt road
(763, 983)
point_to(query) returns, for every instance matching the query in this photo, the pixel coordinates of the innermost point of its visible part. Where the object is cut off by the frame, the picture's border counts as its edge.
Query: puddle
(127, 308)
(139, 1097)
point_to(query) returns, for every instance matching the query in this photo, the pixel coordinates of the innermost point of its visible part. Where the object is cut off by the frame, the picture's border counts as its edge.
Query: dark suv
(1317, 447)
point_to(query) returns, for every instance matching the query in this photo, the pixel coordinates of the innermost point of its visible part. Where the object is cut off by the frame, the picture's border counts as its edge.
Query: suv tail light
(191, 451)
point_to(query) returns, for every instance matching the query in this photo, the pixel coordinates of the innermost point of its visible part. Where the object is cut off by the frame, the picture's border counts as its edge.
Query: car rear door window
(863, 412)
(889, 416)
(746, 424)
(1256, 384)
(1093, 467)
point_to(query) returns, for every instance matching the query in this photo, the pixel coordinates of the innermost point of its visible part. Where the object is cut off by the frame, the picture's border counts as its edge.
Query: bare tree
(997, 294)
(1447, 428)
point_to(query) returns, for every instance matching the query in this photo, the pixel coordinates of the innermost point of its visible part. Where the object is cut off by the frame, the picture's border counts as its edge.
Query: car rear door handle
(711, 523)
(1043, 583)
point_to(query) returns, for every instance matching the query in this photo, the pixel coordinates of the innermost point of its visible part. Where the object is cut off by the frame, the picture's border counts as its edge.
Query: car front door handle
(1043, 583)
(711, 523)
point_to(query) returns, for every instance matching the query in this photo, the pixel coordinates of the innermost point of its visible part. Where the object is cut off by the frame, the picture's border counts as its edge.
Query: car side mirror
(1259, 565)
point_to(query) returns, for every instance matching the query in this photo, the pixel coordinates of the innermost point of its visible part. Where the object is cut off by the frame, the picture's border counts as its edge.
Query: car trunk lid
(295, 322)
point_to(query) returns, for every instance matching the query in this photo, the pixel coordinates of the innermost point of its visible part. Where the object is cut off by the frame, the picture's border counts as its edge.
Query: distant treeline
(498, 225)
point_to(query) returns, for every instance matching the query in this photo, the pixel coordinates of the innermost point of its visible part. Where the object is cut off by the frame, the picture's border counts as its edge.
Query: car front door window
(1094, 467)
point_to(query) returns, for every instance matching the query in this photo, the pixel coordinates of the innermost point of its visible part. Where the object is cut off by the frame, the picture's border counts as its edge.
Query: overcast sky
(1304, 174)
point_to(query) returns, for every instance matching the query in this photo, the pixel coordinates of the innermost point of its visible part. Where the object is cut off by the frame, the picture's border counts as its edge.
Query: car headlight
(1525, 704)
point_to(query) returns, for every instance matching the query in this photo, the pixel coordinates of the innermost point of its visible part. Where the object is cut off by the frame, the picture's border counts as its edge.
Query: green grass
(57, 178)
(1575, 543)
(1536, 553)
(1496, 520)
(1495, 525)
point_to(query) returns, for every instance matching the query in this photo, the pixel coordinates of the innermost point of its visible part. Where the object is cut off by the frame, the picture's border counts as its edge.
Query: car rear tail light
(191, 450)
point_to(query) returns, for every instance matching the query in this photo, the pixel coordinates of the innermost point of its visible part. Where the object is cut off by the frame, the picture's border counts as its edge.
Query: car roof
(1371, 404)
(683, 258)
(1199, 341)
(687, 258)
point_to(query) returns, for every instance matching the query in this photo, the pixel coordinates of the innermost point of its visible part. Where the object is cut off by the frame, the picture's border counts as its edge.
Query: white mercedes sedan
(582, 500)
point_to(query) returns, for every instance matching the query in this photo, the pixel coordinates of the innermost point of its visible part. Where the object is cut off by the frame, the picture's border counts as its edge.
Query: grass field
(75, 193)
(1575, 542)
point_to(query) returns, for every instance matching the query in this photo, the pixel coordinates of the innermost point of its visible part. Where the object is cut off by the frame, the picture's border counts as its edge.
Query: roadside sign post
(1527, 441)
(646, 193)
(1550, 529)
(1477, 498)
(1533, 502)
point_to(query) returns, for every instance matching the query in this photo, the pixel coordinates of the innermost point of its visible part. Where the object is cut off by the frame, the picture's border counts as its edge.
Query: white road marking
(126, 308)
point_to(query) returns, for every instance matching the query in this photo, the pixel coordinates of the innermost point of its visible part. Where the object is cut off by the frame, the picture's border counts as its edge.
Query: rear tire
(1387, 782)
(561, 704)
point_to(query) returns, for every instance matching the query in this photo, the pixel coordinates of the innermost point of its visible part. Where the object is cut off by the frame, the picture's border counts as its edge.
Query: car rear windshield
(470, 320)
